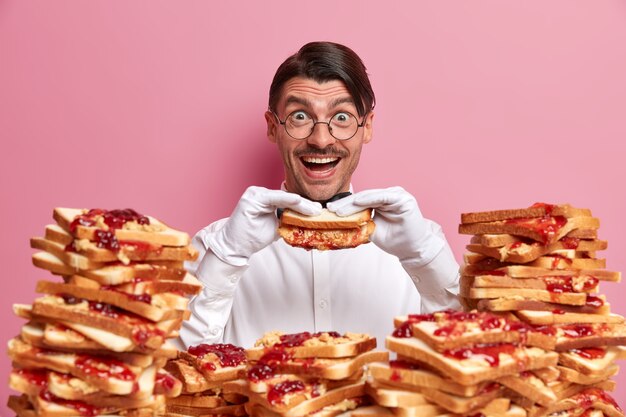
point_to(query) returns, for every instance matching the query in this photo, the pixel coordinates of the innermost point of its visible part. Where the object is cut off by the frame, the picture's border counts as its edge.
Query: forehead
(300, 89)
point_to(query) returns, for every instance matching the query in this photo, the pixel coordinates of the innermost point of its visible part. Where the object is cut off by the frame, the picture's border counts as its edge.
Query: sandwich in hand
(326, 230)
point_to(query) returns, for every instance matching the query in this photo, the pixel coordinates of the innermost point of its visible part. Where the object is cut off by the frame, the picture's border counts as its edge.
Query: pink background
(159, 106)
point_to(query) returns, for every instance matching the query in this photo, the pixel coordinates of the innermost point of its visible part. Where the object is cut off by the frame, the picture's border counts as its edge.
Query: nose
(321, 137)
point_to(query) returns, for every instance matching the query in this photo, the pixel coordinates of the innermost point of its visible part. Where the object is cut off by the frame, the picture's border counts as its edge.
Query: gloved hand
(253, 224)
(401, 230)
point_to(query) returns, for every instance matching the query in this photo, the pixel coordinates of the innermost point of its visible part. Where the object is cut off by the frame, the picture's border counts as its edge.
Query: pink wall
(159, 106)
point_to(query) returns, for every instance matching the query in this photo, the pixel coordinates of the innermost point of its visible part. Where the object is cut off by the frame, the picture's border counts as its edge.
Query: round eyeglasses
(300, 125)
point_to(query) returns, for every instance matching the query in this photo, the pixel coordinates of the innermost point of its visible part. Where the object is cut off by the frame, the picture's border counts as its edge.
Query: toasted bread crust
(564, 210)
(525, 359)
(503, 227)
(326, 220)
(158, 232)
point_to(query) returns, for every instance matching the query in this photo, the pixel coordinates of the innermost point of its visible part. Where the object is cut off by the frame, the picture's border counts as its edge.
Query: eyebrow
(307, 103)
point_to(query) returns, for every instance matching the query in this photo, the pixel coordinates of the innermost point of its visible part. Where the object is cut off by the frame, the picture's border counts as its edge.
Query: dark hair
(325, 61)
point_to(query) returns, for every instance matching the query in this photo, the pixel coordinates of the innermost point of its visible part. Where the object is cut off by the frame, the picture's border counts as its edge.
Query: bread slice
(155, 232)
(326, 230)
(154, 308)
(591, 361)
(69, 387)
(560, 262)
(112, 376)
(193, 380)
(503, 239)
(313, 345)
(520, 252)
(587, 335)
(198, 401)
(326, 220)
(529, 386)
(410, 375)
(54, 336)
(593, 305)
(562, 283)
(546, 230)
(452, 329)
(73, 260)
(326, 368)
(393, 397)
(111, 274)
(576, 299)
(297, 403)
(487, 363)
(547, 318)
(521, 271)
(217, 362)
(345, 408)
(576, 377)
(536, 210)
(24, 408)
(101, 316)
(128, 250)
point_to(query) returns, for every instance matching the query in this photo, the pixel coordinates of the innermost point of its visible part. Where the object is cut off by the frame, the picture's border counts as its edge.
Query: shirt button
(234, 278)
(323, 303)
(416, 280)
(215, 331)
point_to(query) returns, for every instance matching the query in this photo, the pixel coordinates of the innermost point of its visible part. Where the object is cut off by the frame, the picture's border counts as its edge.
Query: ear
(368, 127)
(271, 126)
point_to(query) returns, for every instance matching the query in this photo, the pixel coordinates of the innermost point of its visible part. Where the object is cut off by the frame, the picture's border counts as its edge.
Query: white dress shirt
(294, 290)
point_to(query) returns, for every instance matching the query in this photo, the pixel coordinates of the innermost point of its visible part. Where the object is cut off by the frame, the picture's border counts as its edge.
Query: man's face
(319, 166)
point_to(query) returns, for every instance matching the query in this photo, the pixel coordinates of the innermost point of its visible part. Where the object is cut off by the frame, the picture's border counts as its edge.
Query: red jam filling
(104, 368)
(593, 301)
(35, 377)
(577, 330)
(277, 392)
(547, 226)
(404, 330)
(144, 298)
(115, 219)
(261, 372)
(570, 242)
(298, 339)
(590, 352)
(588, 397)
(565, 284)
(402, 364)
(490, 353)
(165, 381)
(82, 408)
(229, 355)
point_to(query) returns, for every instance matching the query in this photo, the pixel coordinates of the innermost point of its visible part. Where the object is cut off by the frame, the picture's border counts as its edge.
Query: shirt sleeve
(211, 308)
(438, 279)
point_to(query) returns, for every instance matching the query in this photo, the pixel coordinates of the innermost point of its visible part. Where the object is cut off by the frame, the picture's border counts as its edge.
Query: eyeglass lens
(341, 126)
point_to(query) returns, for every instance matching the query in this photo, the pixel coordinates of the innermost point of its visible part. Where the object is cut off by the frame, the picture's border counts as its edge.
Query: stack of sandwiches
(539, 265)
(315, 374)
(96, 341)
(204, 370)
(456, 363)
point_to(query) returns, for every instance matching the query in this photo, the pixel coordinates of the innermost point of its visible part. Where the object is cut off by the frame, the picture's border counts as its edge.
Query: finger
(390, 199)
(344, 207)
(306, 207)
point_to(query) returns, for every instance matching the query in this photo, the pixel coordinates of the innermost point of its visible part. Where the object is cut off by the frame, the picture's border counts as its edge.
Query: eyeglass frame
(316, 122)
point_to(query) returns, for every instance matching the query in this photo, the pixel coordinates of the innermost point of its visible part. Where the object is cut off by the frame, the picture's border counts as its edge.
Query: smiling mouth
(319, 164)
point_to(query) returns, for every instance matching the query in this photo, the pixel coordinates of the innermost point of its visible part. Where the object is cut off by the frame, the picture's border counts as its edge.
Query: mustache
(326, 152)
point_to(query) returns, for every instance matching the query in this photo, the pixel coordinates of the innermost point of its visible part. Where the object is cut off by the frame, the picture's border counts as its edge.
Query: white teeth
(313, 160)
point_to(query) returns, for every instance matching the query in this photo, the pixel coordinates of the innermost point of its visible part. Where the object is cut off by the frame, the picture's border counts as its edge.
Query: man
(320, 115)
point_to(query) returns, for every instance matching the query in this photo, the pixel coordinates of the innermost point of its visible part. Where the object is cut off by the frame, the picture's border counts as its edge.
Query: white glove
(401, 230)
(253, 224)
